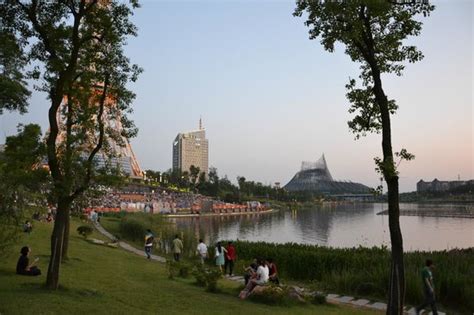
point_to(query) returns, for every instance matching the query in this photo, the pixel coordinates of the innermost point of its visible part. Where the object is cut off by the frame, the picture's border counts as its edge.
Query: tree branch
(99, 144)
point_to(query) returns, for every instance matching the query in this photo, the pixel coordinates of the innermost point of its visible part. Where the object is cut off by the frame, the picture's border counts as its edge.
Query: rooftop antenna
(200, 123)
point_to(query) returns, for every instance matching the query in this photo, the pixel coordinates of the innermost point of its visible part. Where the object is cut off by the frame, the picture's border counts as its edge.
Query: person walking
(177, 247)
(428, 288)
(230, 258)
(202, 251)
(149, 239)
(220, 254)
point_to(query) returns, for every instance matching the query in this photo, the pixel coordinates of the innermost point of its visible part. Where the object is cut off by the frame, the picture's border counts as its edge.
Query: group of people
(224, 256)
(260, 272)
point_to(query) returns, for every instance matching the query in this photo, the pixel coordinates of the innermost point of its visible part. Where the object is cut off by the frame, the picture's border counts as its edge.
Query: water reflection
(337, 226)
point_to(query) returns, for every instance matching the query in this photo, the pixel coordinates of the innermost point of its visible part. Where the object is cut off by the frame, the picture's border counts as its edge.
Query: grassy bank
(358, 271)
(102, 280)
(365, 271)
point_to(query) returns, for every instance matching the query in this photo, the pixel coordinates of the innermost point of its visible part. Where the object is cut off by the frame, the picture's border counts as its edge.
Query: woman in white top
(262, 278)
(262, 274)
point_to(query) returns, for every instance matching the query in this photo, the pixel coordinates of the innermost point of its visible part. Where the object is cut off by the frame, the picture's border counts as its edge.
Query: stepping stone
(378, 306)
(236, 278)
(344, 299)
(332, 296)
(360, 302)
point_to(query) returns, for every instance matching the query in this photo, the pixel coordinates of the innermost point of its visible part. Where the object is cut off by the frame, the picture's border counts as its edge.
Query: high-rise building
(191, 148)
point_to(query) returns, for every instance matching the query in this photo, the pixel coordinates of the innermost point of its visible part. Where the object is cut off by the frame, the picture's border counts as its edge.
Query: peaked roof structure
(315, 177)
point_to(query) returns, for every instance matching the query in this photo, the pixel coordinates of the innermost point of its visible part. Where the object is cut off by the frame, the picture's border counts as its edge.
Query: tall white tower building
(191, 148)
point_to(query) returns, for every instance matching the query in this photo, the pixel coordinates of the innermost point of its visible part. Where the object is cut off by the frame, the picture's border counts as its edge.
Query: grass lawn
(98, 280)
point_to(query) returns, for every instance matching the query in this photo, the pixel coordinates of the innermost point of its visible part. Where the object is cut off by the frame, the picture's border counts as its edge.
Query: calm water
(337, 226)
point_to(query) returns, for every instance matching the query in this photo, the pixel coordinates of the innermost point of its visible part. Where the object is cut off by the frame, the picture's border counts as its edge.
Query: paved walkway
(330, 298)
(127, 246)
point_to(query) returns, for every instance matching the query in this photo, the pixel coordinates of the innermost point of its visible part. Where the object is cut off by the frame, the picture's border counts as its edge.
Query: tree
(23, 182)
(14, 93)
(79, 44)
(373, 33)
(194, 174)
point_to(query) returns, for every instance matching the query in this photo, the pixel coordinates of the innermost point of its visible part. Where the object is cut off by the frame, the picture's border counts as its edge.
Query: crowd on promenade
(167, 202)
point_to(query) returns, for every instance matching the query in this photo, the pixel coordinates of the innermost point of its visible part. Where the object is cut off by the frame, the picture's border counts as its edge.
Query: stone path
(330, 298)
(126, 246)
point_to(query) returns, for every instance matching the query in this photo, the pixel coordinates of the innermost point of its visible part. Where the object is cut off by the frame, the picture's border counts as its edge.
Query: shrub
(318, 298)
(184, 270)
(84, 230)
(177, 269)
(172, 267)
(199, 275)
(277, 295)
(207, 277)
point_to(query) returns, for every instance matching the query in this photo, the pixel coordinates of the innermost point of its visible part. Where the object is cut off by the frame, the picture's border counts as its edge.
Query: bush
(207, 277)
(271, 295)
(177, 269)
(199, 275)
(318, 298)
(84, 230)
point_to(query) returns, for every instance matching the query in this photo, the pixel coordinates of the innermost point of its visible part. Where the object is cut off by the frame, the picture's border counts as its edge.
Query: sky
(270, 98)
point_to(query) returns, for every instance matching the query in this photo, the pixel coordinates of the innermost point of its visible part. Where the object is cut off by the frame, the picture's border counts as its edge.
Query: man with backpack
(149, 239)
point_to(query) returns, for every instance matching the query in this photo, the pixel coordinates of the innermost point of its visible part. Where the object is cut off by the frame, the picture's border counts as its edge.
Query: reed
(364, 271)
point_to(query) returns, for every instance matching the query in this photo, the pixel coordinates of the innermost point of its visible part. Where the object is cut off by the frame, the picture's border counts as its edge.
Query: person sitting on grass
(261, 279)
(27, 227)
(250, 271)
(273, 272)
(23, 266)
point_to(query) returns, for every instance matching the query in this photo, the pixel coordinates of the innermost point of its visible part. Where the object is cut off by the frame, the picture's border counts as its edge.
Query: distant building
(191, 148)
(316, 178)
(438, 185)
(2, 148)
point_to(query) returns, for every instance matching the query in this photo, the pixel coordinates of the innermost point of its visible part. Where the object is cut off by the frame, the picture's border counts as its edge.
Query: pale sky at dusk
(271, 98)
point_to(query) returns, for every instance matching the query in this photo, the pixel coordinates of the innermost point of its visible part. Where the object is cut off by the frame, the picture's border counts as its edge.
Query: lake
(345, 225)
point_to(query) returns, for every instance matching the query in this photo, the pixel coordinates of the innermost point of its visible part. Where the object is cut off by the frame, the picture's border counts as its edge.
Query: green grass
(97, 280)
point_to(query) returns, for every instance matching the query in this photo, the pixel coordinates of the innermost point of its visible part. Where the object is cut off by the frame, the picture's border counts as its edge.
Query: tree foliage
(14, 91)
(22, 182)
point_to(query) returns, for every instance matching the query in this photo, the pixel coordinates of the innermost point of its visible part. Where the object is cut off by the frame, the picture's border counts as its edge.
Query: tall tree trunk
(57, 244)
(396, 298)
(64, 255)
(397, 272)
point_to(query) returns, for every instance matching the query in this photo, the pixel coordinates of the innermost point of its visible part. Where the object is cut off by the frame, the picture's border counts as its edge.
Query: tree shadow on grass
(40, 288)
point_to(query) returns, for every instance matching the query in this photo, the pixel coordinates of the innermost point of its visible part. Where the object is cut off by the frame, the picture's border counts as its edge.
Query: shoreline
(210, 214)
(432, 214)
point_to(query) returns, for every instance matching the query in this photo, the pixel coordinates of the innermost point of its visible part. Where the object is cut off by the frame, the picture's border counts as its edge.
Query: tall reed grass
(364, 271)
